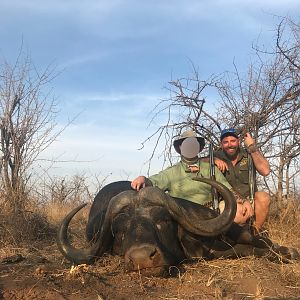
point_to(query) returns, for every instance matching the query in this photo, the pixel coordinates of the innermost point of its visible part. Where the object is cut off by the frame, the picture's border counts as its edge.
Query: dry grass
(38, 223)
(55, 211)
(284, 227)
(246, 278)
(25, 227)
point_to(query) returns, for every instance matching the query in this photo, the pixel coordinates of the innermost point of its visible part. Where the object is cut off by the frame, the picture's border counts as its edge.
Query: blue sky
(116, 57)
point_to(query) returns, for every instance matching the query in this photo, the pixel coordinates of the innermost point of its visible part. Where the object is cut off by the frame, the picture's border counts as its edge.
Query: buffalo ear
(191, 245)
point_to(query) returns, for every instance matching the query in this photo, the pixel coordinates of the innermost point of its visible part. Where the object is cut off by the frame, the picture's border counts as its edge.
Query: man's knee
(262, 198)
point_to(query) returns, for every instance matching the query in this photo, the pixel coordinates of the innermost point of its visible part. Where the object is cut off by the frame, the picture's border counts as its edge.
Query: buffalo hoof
(294, 254)
(286, 252)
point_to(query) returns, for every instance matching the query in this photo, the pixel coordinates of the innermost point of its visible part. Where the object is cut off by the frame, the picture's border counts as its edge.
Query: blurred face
(230, 146)
(190, 147)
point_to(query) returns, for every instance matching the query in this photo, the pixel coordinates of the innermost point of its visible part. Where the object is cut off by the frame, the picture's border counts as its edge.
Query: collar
(191, 161)
(192, 166)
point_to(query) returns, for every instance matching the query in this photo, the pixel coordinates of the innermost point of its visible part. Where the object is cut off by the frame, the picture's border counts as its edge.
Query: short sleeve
(160, 180)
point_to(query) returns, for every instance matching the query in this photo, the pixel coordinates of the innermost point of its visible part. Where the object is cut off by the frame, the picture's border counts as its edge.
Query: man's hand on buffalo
(244, 211)
(138, 183)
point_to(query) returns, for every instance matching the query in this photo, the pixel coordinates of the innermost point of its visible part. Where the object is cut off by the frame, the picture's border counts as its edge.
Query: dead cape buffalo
(153, 230)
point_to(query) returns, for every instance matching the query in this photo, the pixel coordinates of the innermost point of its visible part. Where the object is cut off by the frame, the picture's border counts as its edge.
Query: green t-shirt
(177, 182)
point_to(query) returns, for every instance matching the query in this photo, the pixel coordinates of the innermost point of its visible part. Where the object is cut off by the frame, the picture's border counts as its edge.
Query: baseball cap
(228, 132)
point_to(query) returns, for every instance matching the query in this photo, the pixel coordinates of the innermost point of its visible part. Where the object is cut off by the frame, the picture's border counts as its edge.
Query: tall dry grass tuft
(55, 212)
(62, 194)
(284, 226)
(27, 226)
(43, 212)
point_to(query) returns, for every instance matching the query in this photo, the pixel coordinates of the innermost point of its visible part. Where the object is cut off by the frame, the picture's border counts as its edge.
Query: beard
(232, 155)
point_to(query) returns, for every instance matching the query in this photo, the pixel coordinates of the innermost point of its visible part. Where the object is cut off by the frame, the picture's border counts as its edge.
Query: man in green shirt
(177, 179)
(232, 161)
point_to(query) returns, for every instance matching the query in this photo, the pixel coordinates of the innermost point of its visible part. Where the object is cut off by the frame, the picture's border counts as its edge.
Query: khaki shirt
(238, 175)
(177, 182)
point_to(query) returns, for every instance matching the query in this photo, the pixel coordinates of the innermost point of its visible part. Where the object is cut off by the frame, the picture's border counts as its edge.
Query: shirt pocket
(243, 174)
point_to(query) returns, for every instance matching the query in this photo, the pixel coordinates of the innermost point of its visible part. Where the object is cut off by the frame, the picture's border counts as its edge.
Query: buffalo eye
(162, 223)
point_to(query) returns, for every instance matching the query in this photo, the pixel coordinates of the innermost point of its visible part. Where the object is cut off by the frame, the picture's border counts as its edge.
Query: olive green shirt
(177, 182)
(238, 175)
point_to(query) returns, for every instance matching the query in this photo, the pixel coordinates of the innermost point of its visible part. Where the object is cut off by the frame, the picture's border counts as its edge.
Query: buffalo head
(146, 227)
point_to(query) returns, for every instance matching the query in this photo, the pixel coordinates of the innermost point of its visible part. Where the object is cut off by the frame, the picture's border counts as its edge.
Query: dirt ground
(37, 270)
(41, 273)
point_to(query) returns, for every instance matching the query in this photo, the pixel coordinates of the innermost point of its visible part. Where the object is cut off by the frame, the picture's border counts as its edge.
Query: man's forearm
(260, 162)
(148, 182)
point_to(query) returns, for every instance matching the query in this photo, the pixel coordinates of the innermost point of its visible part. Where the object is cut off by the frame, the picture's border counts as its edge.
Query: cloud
(115, 112)
(107, 135)
(83, 59)
(91, 149)
(113, 97)
(115, 19)
(117, 55)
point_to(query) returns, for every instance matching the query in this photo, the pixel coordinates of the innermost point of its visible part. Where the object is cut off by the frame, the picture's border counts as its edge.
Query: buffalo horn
(191, 219)
(97, 248)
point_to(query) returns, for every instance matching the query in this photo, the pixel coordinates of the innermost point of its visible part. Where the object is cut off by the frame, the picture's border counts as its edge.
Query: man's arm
(260, 162)
(221, 164)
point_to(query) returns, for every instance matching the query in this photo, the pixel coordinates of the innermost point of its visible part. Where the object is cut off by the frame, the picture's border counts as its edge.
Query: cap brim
(228, 134)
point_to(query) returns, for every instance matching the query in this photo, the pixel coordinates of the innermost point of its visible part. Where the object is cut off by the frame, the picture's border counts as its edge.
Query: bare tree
(265, 101)
(72, 190)
(183, 110)
(27, 122)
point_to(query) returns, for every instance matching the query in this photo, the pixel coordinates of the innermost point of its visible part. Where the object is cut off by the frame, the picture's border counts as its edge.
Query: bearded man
(232, 161)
